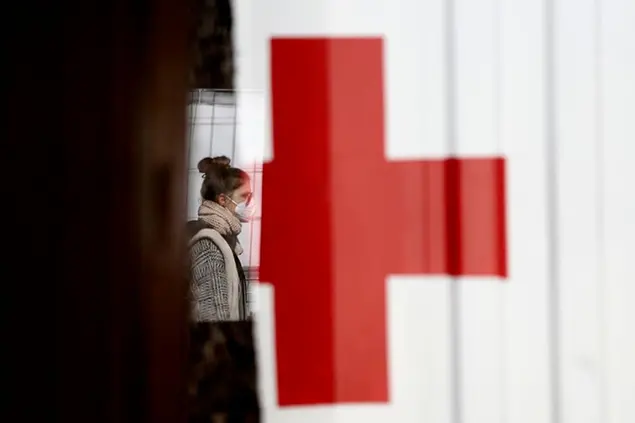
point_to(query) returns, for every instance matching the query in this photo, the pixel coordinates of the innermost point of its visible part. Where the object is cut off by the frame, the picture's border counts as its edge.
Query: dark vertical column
(96, 180)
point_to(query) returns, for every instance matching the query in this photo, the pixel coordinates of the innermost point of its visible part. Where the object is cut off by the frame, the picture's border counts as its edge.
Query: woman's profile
(217, 282)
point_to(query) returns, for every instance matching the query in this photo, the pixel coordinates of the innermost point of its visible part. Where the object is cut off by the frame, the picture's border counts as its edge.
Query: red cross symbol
(338, 218)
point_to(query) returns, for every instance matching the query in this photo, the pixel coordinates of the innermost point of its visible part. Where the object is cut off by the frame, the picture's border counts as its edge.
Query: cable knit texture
(216, 284)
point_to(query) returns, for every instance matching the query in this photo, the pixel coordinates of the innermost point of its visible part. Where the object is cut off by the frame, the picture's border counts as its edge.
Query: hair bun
(209, 164)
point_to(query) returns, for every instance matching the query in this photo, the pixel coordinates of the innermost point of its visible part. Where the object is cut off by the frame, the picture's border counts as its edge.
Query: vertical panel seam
(498, 72)
(197, 94)
(212, 124)
(552, 191)
(235, 124)
(454, 287)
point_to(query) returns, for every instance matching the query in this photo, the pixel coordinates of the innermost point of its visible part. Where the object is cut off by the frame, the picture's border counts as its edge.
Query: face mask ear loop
(230, 199)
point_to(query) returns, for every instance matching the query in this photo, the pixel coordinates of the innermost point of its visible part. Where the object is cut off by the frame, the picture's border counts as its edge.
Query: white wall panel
(528, 391)
(617, 161)
(416, 77)
(475, 58)
(421, 362)
(574, 149)
(552, 86)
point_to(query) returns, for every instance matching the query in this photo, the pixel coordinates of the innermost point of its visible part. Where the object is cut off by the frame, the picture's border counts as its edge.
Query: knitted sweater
(218, 289)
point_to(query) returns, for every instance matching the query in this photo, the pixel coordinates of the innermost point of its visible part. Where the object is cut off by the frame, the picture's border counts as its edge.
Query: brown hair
(219, 177)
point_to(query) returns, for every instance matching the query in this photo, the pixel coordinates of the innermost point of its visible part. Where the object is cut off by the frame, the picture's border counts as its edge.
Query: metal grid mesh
(213, 125)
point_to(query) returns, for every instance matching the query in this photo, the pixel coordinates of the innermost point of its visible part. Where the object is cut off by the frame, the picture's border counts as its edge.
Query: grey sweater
(214, 296)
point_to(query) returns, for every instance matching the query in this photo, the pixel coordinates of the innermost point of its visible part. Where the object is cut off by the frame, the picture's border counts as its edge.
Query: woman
(218, 283)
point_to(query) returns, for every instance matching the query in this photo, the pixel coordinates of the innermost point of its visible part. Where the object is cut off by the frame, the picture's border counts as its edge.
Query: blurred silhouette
(222, 383)
(213, 65)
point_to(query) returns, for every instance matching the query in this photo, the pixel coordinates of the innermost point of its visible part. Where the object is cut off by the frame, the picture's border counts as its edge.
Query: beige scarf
(222, 220)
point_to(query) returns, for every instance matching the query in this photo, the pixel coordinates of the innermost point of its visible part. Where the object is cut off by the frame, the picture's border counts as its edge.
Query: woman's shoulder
(193, 227)
(208, 235)
(204, 248)
(203, 242)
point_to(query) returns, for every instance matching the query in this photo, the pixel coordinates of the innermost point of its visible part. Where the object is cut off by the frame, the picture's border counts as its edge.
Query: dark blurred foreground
(94, 180)
(222, 381)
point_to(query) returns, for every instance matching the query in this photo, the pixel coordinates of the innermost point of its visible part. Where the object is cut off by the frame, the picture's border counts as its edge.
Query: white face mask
(244, 211)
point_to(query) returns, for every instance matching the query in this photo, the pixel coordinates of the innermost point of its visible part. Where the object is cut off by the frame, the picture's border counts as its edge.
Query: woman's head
(223, 184)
